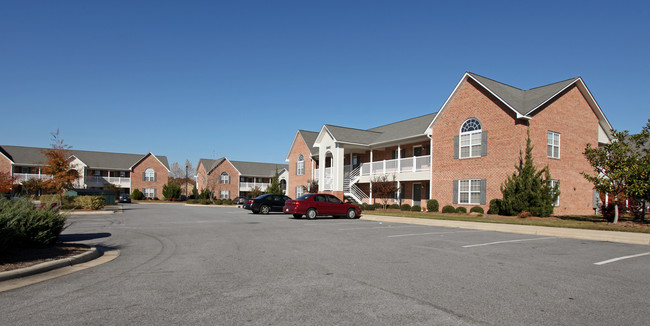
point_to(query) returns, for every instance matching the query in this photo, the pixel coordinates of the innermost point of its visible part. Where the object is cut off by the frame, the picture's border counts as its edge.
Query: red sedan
(312, 205)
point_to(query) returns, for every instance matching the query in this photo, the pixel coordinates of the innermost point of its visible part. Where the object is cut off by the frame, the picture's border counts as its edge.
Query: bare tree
(383, 188)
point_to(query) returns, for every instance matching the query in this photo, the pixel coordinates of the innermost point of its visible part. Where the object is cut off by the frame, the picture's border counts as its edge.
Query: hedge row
(72, 202)
(22, 225)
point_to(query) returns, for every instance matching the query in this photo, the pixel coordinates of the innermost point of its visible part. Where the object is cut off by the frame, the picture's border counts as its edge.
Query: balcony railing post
(414, 168)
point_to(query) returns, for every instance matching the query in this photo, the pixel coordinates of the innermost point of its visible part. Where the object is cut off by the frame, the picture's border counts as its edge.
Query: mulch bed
(25, 257)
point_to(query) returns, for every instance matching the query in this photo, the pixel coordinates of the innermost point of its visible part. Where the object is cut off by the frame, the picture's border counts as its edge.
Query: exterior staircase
(350, 188)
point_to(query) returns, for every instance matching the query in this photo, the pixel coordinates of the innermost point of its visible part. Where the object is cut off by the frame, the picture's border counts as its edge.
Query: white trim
(550, 98)
(3, 154)
(444, 105)
(142, 159)
(519, 115)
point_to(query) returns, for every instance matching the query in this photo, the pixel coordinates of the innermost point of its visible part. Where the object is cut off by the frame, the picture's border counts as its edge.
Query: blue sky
(205, 79)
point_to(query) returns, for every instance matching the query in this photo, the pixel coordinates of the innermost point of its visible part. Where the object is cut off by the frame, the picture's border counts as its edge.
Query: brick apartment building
(146, 172)
(229, 179)
(462, 154)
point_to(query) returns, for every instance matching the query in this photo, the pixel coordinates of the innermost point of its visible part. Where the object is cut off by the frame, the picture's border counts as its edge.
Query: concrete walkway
(597, 235)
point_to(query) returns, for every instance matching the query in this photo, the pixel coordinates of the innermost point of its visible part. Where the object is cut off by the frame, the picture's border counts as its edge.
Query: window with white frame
(149, 192)
(299, 191)
(300, 165)
(224, 194)
(469, 191)
(224, 179)
(470, 138)
(149, 175)
(553, 184)
(553, 148)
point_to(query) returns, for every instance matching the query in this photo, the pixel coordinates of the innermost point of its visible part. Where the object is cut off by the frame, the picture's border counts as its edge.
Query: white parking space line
(507, 241)
(385, 227)
(621, 258)
(432, 233)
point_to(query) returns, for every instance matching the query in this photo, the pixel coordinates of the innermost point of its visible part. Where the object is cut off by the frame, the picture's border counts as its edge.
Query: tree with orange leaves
(58, 166)
(6, 182)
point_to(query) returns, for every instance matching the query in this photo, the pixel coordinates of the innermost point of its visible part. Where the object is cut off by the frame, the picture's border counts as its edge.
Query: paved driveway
(225, 266)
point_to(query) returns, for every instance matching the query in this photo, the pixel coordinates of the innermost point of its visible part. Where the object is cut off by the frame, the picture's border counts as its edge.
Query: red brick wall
(215, 177)
(161, 175)
(570, 115)
(504, 143)
(202, 177)
(5, 164)
(299, 147)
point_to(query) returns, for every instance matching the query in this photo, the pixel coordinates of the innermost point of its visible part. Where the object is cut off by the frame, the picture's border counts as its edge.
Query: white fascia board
(354, 144)
(444, 106)
(84, 163)
(519, 115)
(145, 156)
(226, 159)
(321, 135)
(10, 160)
(399, 139)
(292, 143)
(550, 98)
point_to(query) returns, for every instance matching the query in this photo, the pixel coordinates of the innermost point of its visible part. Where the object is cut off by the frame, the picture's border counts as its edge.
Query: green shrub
(205, 202)
(416, 208)
(448, 209)
(461, 210)
(405, 207)
(171, 190)
(228, 202)
(193, 201)
(68, 201)
(477, 209)
(367, 207)
(22, 225)
(495, 206)
(378, 205)
(90, 202)
(394, 206)
(432, 205)
(218, 202)
(156, 198)
(137, 195)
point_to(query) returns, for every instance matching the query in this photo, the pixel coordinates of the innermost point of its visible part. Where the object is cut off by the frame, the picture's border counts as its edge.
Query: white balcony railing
(408, 164)
(94, 180)
(246, 186)
(20, 177)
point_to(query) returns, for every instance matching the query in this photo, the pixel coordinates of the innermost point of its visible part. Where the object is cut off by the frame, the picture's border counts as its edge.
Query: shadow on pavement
(82, 236)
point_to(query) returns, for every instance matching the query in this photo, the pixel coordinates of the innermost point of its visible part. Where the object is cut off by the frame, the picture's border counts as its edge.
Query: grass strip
(573, 222)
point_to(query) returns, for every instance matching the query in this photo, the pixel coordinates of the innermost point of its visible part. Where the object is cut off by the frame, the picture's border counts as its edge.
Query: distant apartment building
(146, 172)
(463, 153)
(230, 179)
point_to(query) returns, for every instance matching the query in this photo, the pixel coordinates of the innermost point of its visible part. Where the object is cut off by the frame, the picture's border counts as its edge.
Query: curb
(595, 235)
(50, 265)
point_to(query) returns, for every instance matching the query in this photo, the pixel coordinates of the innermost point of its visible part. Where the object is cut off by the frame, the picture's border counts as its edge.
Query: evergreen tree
(171, 190)
(274, 187)
(528, 189)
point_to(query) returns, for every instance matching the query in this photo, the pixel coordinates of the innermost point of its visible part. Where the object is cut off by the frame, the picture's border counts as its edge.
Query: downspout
(428, 133)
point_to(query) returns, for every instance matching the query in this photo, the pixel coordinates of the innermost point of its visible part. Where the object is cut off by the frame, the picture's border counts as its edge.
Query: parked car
(247, 204)
(124, 198)
(240, 200)
(313, 205)
(268, 203)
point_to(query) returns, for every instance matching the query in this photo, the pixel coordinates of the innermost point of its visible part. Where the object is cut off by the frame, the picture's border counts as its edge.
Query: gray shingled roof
(95, 160)
(520, 100)
(210, 164)
(398, 130)
(310, 137)
(254, 169)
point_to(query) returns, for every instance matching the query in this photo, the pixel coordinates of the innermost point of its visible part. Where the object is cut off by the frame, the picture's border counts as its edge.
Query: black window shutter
(483, 191)
(455, 201)
(143, 176)
(155, 176)
(455, 147)
(154, 192)
(484, 143)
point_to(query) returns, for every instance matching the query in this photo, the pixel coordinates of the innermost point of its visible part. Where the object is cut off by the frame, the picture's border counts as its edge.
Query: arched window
(149, 175)
(225, 178)
(300, 165)
(471, 139)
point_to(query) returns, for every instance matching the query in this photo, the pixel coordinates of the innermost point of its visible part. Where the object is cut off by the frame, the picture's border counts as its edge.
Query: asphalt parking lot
(225, 266)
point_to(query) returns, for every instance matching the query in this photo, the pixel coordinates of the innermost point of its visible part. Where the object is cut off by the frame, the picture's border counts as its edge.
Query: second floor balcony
(21, 177)
(248, 186)
(98, 181)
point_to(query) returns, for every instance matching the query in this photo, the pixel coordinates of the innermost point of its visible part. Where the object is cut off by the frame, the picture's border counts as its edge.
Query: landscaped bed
(590, 222)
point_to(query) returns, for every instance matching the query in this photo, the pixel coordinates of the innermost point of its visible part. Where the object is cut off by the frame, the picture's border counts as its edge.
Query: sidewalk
(596, 235)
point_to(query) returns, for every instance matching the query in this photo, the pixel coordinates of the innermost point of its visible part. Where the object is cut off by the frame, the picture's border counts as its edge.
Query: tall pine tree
(275, 187)
(529, 189)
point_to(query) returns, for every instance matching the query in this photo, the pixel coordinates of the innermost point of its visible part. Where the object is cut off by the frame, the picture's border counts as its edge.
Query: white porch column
(338, 167)
(322, 163)
(370, 195)
(399, 158)
(371, 162)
